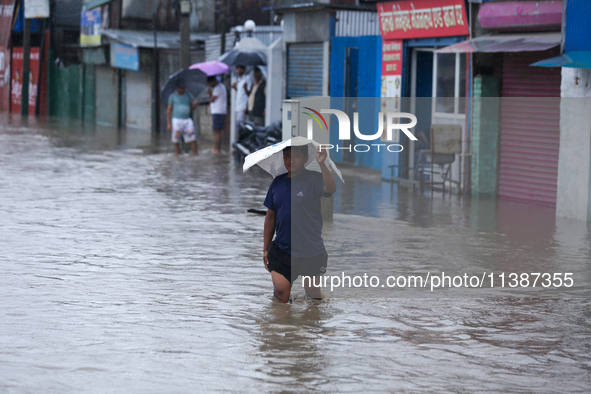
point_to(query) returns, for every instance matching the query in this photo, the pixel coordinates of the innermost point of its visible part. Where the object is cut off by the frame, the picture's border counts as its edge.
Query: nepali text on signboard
(392, 57)
(90, 26)
(126, 57)
(391, 79)
(422, 19)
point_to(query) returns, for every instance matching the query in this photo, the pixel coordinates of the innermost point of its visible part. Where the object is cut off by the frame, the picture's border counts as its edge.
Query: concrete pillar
(573, 199)
(26, 68)
(485, 136)
(275, 81)
(233, 130)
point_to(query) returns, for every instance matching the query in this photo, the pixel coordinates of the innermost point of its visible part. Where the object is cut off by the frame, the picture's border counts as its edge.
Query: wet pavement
(128, 269)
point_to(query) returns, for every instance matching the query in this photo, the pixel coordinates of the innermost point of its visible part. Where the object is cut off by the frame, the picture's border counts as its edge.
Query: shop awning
(506, 43)
(96, 3)
(145, 39)
(575, 59)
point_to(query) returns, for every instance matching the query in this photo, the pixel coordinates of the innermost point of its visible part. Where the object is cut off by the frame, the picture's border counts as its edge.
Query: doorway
(421, 91)
(351, 92)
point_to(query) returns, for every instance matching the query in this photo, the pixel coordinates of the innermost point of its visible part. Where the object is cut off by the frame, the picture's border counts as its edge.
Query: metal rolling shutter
(107, 100)
(138, 106)
(530, 128)
(304, 70)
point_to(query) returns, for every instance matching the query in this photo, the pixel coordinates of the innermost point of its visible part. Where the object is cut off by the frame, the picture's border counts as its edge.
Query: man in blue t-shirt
(178, 116)
(294, 217)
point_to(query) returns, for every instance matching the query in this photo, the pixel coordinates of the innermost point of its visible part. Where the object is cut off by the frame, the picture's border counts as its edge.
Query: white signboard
(36, 9)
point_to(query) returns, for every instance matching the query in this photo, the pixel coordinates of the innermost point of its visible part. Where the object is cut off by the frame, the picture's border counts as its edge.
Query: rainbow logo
(316, 118)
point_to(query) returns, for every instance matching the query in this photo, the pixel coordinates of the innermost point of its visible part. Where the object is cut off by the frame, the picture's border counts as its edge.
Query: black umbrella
(244, 57)
(249, 51)
(195, 82)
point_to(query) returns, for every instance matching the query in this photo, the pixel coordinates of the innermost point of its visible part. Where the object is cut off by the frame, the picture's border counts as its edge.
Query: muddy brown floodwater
(127, 269)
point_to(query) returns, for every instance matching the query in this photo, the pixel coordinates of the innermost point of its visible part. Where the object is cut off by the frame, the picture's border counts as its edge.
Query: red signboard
(392, 57)
(391, 76)
(422, 19)
(16, 83)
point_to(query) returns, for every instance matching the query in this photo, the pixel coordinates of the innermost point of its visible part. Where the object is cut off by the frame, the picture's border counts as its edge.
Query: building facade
(515, 123)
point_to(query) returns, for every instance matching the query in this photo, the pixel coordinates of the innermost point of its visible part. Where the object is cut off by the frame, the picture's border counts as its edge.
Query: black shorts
(218, 121)
(292, 267)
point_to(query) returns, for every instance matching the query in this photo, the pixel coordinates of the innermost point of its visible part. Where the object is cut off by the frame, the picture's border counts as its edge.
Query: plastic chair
(446, 142)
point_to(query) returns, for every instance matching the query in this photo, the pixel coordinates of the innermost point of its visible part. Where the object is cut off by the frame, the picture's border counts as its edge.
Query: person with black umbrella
(178, 116)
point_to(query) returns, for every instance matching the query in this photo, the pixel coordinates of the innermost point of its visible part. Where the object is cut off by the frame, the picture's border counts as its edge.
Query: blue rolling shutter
(304, 69)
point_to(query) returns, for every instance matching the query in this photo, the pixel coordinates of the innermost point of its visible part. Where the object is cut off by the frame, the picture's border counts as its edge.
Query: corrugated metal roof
(260, 29)
(577, 29)
(145, 39)
(267, 34)
(356, 23)
(313, 6)
(213, 46)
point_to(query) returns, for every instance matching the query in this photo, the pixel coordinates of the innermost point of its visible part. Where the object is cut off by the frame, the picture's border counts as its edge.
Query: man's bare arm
(169, 117)
(269, 231)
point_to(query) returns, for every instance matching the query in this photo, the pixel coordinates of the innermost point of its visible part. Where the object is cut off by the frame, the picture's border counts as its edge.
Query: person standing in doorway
(257, 98)
(242, 86)
(218, 103)
(178, 116)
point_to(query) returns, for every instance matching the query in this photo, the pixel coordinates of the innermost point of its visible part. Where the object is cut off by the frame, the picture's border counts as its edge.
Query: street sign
(36, 9)
(124, 56)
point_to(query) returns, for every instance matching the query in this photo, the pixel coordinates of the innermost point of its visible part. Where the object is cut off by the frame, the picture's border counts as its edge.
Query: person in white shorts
(178, 115)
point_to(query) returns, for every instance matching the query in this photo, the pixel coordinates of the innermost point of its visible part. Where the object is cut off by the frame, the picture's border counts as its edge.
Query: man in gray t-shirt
(178, 115)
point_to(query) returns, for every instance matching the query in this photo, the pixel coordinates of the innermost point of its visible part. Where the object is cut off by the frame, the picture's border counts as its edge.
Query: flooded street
(125, 268)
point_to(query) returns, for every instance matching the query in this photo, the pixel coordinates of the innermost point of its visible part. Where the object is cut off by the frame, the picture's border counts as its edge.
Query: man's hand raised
(321, 155)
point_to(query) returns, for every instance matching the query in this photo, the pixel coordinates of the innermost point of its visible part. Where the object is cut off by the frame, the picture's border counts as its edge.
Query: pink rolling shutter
(530, 131)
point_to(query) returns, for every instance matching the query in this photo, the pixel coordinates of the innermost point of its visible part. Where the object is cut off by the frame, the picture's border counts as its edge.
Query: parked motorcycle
(252, 138)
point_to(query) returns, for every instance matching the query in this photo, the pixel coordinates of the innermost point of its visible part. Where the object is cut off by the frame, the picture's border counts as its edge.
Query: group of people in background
(250, 105)
(251, 94)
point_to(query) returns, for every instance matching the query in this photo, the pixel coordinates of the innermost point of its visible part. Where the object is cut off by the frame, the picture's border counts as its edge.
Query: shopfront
(433, 85)
(530, 128)
(520, 159)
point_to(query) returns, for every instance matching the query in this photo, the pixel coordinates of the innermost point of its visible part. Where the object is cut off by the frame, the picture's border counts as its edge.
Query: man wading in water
(298, 248)
(178, 116)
